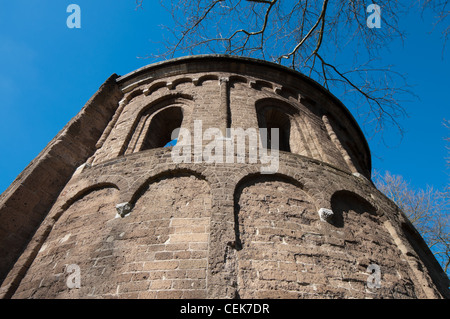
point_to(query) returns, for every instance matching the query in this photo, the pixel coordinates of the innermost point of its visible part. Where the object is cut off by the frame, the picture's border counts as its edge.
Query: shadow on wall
(345, 201)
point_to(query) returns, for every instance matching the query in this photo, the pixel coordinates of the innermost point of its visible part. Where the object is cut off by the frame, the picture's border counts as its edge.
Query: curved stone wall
(134, 222)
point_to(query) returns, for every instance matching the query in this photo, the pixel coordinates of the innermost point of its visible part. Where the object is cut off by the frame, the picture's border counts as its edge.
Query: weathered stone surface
(314, 228)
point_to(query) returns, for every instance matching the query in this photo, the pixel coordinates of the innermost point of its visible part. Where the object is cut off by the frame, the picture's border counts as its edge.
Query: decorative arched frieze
(154, 87)
(234, 79)
(207, 77)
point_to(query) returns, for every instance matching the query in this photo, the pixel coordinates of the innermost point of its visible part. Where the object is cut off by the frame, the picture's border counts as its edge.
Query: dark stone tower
(108, 210)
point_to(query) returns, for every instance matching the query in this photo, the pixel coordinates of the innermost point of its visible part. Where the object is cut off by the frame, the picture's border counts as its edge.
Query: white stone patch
(325, 214)
(44, 247)
(123, 209)
(64, 239)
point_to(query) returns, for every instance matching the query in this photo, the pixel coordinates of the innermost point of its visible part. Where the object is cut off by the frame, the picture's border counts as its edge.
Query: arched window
(162, 124)
(277, 119)
(154, 124)
(271, 117)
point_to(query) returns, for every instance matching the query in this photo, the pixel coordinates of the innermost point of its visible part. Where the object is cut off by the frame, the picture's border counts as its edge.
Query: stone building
(107, 211)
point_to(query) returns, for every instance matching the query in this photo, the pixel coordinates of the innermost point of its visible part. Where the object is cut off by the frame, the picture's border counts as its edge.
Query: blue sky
(48, 72)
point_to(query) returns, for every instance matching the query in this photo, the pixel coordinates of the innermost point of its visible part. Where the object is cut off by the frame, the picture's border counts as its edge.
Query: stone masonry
(105, 211)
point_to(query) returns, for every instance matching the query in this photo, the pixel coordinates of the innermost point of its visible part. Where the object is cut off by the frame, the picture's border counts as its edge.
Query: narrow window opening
(161, 126)
(274, 118)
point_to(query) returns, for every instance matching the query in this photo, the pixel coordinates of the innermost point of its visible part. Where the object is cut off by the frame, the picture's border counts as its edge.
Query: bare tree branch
(310, 37)
(441, 8)
(139, 4)
(321, 18)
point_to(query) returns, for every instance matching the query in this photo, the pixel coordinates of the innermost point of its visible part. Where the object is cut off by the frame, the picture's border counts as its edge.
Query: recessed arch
(208, 77)
(344, 201)
(288, 94)
(161, 127)
(139, 128)
(180, 81)
(270, 213)
(172, 215)
(256, 178)
(165, 100)
(288, 108)
(260, 85)
(237, 79)
(83, 192)
(133, 95)
(277, 114)
(171, 173)
(154, 87)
